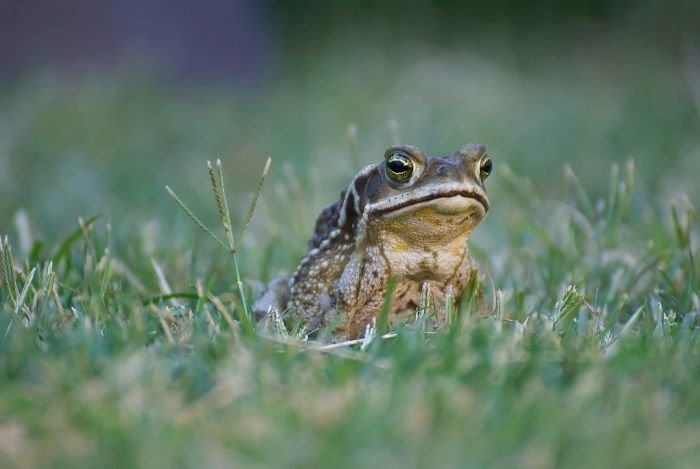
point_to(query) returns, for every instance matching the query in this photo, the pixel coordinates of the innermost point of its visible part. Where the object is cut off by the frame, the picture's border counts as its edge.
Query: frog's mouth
(449, 202)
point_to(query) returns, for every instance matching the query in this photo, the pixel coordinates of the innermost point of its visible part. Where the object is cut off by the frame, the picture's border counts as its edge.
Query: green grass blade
(383, 318)
(194, 218)
(65, 247)
(176, 295)
(222, 203)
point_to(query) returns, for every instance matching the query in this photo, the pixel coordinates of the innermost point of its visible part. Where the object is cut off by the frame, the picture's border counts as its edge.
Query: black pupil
(398, 166)
(486, 166)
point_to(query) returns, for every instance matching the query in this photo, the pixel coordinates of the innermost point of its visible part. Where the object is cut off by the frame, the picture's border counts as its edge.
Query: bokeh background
(104, 102)
(592, 351)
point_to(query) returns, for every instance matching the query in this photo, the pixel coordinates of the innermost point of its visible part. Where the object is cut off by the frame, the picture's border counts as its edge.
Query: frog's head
(425, 198)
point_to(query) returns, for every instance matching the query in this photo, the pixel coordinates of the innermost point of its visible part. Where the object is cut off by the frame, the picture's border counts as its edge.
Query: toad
(408, 217)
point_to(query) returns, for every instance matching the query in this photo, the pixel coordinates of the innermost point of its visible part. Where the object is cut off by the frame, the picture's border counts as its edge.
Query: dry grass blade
(221, 308)
(496, 308)
(449, 303)
(426, 299)
(254, 201)
(165, 288)
(85, 227)
(48, 285)
(613, 346)
(581, 194)
(337, 350)
(348, 343)
(8, 270)
(194, 218)
(57, 300)
(23, 296)
(3, 274)
(163, 323)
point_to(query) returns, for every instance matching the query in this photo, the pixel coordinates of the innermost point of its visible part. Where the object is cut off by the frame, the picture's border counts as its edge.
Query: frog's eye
(485, 167)
(399, 167)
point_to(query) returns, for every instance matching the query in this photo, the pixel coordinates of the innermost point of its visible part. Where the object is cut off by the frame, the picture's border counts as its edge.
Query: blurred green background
(104, 103)
(591, 353)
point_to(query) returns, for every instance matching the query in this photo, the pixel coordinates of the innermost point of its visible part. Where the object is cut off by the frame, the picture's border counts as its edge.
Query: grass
(124, 338)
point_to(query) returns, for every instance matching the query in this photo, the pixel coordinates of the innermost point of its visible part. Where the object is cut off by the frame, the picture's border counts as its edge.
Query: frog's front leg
(274, 297)
(359, 293)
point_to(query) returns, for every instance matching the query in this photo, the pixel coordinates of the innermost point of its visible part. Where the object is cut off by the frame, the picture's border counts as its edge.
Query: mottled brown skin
(415, 230)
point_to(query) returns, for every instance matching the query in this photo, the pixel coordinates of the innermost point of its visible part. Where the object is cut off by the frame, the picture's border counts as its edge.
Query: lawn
(124, 338)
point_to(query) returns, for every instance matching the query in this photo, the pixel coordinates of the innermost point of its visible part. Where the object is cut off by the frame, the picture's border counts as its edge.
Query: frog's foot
(325, 313)
(275, 297)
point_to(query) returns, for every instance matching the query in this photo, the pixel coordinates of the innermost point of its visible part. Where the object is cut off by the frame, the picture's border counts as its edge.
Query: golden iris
(399, 167)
